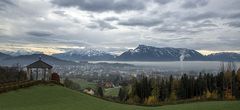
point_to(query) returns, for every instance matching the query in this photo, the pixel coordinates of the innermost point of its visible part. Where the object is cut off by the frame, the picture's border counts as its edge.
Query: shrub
(151, 100)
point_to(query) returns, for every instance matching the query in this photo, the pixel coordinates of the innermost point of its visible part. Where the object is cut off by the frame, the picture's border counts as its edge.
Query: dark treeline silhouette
(12, 74)
(222, 86)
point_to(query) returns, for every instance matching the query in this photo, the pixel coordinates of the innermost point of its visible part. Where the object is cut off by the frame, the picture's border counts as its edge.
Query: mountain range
(150, 53)
(224, 56)
(84, 55)
(140, 53)
(21, 52)
(28, 59)
(4, 56)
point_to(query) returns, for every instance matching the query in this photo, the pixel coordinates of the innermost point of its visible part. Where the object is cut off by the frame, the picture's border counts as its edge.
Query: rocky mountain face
(150, 53)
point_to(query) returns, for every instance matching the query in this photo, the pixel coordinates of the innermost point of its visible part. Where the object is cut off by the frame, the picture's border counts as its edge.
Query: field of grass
(46, 97)
(111, 92)
(85, 84)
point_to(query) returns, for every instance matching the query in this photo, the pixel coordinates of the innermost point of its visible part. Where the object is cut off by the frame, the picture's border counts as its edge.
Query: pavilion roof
(39, 64)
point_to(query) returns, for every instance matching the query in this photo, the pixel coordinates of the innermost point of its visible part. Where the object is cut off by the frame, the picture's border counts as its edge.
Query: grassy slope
(85, 84)
(111, 92)
(60, 98)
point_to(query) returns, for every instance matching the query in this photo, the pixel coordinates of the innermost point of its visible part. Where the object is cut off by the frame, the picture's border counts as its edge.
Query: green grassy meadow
(85, 84)
(111, 92)
(47, 97)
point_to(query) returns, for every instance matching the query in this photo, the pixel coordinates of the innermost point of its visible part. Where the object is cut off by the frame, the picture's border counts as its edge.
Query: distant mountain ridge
(21, 52)
(84, 54)
(4, 56)
(28, 59)
(150, 53)
(224, 56)
(140, 53)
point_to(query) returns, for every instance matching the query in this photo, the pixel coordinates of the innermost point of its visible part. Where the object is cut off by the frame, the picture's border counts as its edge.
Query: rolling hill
(46, 97)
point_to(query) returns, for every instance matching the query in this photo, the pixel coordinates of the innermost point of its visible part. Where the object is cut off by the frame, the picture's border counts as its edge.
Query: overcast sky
(54, 26)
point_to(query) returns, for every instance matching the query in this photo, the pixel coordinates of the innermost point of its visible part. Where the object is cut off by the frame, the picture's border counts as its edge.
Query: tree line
(222, 86)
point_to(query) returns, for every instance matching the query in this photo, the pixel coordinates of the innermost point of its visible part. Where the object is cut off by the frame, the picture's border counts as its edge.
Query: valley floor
(59, 98)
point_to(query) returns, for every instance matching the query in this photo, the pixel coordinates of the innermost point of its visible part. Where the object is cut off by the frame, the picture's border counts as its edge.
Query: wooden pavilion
(39, 70)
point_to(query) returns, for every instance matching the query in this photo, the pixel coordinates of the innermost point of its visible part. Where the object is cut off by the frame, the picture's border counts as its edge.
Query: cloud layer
(117, 25)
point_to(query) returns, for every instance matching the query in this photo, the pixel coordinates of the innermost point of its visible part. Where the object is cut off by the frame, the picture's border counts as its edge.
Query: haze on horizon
(55, 26)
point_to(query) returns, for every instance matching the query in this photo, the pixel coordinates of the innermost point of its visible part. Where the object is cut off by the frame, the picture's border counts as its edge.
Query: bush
(100, 91)
(151, 100)
(210, 95)
(72, 85)
(173, 96)
(134, 99)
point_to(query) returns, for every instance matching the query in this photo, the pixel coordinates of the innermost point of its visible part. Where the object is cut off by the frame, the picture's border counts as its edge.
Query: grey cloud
(39, 33)
(92, 26)
(165, 30)
(102, 25)
(201, 16)
(163, 1)
(169, 23)
(5, 3)
(78, 43)
(175, 29)
(102, 5)
(231, 42)
(146, 22)
(172, 39)
(204, 24)
(210, 15)
(234, 16)
(194, 3)
(234, 24)
(61, 13)
(111, 19)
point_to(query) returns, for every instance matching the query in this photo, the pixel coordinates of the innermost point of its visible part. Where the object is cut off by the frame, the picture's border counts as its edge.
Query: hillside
(60, 98)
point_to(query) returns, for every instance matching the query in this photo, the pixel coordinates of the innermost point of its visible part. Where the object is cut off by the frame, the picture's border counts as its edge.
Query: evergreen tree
(170, 85)
(122, 95)
(220, 84)
(100, 91)
(234, 84)
(238, 84)
(155, 88)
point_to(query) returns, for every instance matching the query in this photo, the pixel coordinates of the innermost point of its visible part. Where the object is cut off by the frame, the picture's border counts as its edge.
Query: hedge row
(23, 84)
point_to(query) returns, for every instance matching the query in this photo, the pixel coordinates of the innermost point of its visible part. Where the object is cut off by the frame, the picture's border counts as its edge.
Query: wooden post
(31, 75)
(49, 73)
(44, 73)
(37, 74)
(28, 73)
